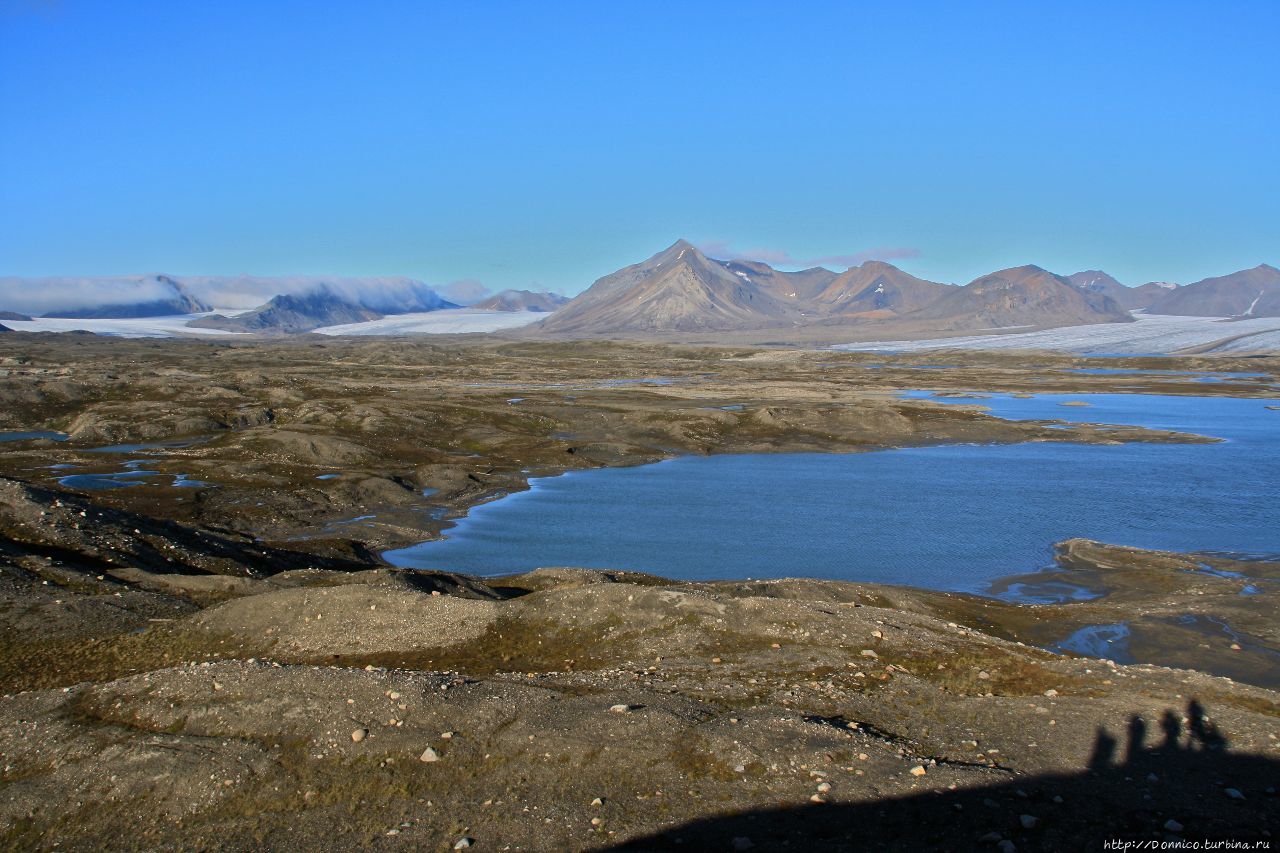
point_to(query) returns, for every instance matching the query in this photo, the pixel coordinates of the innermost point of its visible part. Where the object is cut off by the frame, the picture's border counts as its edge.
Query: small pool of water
(134, 474)
(1099, 641)
(34, 435)
(950, 517)
(172, 444)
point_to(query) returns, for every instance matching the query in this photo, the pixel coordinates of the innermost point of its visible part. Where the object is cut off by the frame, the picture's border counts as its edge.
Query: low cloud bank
(38, 296)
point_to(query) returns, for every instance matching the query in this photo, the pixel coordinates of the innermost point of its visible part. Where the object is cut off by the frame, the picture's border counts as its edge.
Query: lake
(950, 517)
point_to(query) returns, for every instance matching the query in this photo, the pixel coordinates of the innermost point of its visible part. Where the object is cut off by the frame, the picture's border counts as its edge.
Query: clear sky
(544, 144)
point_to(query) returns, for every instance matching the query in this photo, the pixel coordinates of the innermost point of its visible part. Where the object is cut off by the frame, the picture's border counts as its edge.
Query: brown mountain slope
(677, 290)
(876, 289)
(1247, 293)
(1020, 296)
(800, 286)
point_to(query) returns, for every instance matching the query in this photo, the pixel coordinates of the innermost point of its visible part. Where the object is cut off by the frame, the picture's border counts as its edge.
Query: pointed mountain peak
(677, 251)
(1025, 269)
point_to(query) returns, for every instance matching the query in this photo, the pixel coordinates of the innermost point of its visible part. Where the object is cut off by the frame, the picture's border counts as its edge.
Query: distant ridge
(1247, 293)
(14, 315)
(1019, 296)
(180, 301)
(290, 314)
(522, 300)
(876, 289)
(1129, 298)
(325, 305)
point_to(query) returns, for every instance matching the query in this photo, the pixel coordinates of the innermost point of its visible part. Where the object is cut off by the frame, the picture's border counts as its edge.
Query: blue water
(1100, 641)
(29, 436)
(172, 444)
(951, 517)
(1207, 376)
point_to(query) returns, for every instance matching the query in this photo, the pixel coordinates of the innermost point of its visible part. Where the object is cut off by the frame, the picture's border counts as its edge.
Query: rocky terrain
(230, 666)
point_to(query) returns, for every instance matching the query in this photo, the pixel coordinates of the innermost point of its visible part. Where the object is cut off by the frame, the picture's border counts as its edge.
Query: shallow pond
(951, 517)
(32, 436)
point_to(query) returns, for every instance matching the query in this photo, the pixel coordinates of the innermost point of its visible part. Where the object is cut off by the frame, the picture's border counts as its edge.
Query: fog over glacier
(36, 296)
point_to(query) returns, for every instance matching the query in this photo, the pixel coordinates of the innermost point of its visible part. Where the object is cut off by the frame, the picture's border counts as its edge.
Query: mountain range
(682, 290)
(324, 305)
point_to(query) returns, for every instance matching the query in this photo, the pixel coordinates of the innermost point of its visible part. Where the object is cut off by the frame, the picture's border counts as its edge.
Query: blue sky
(545, 144)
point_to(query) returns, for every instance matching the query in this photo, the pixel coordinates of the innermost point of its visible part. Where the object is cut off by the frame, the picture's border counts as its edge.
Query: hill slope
(677, 290)
(876, 289)
(1019, 296)
(1247, 293)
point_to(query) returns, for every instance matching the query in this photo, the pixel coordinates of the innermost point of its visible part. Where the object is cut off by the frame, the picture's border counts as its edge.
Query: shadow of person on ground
(1187, 785)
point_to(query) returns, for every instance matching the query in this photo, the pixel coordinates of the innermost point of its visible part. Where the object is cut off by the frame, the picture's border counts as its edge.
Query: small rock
(879, 635)
(1007, 846)
(1051, 693)
(596, 821)
(869, 653)
(823, 787)
(1028, 821)
(1234, 793)
(983, 675)
(816, 798)
(619, 709)
(1235, 647)
(743, 843)
(463, 843)
(429, 755)
(359, 735)
(990, 838)
(918, 770)
(597, 802)
(446, 735)
(1172, 825)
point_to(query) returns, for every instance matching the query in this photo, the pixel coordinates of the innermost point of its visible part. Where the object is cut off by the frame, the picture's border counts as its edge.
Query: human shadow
(1183, 784)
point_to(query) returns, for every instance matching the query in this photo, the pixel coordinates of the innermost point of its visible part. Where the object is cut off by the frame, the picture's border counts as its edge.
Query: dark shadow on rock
(1187, 785)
